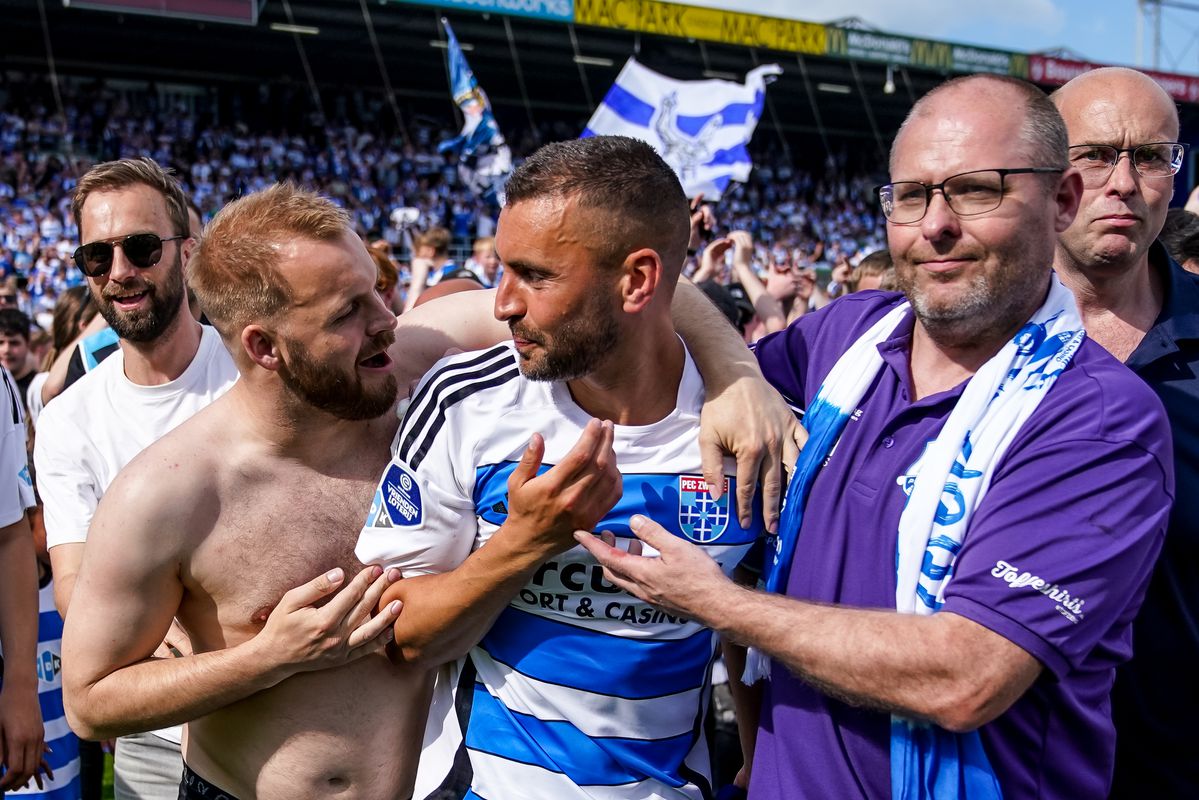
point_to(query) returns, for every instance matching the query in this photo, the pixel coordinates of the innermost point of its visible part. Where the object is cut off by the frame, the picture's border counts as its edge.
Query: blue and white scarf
(950, 480)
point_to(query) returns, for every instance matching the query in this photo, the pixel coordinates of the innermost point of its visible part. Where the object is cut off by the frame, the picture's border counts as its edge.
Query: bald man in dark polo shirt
(1144, 309)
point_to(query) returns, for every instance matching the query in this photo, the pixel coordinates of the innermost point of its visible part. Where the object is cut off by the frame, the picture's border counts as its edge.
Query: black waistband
(193, 787)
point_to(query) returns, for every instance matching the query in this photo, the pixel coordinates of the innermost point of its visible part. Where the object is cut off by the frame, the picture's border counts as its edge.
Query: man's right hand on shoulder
(574, 495)
(300, 637)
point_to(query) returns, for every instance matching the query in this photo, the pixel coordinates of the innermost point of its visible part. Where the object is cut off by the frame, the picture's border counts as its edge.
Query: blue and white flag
(484, 160)
(700, 128)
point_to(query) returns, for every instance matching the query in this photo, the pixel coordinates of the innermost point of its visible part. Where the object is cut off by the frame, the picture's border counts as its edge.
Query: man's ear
(1067, 198)
(641, 274)
(260, 346)
(187, 249)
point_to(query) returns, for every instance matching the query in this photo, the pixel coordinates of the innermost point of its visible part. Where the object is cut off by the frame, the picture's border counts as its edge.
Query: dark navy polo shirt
(1157, 694)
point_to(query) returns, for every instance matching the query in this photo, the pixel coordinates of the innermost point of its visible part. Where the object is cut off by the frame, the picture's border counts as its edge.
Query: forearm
(160, 692)
(462, 321)
(416, 285)
(719, 351)
(64, 562)
(62, 593)
(18, 606)
(766, 306)
(465, 320)
(897, 663)
(445, 615)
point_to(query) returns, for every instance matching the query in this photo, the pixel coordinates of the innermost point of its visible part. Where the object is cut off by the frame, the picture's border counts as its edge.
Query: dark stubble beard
(577, 348)
(146, 326)
(328, 389)
(992, 303)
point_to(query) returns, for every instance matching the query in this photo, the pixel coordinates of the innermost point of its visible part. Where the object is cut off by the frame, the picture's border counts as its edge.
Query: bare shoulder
(172, 483)
(456, 322)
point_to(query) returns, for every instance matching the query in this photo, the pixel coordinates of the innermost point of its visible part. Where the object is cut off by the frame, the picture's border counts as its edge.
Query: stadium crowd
(274, 371)
(394, 190)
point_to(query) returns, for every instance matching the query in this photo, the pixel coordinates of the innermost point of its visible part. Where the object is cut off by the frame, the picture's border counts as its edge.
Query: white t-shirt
(33, 396)
(101, 422)
(97, 426)
(16, 486)
(581, 687)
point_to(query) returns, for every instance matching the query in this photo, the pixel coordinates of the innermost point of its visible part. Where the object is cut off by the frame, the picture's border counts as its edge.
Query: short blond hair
(235, 270)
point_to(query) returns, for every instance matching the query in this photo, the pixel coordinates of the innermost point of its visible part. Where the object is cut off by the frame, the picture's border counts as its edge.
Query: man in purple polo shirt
(1053, 565)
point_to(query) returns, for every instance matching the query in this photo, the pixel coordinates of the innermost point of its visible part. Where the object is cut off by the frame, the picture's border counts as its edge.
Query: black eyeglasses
(143, 250)
(1097, 162)
(968, 193)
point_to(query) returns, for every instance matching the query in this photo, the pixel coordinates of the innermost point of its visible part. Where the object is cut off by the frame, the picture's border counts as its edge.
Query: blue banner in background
(484, 159)
(558, 10)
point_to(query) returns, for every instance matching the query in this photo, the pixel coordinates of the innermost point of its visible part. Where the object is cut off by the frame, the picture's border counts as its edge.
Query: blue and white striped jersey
(582, 691)
(64, 745)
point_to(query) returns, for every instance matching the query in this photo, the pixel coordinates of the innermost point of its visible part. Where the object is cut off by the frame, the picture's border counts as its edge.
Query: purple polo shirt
(1056, 559)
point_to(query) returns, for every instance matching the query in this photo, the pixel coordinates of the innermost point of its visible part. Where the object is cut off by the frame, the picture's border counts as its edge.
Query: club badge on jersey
(701, 517)
(397, 501)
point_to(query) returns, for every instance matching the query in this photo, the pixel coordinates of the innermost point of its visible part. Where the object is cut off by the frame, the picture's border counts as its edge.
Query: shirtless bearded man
(216, 522)
(255, 494)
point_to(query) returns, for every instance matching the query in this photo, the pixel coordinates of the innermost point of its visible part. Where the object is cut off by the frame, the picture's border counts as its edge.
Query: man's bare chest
(272, 538)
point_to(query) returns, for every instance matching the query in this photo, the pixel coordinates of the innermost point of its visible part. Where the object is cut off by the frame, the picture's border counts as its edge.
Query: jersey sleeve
(422, 516)
(69, 491)
(16, 487)
(1058, 563)
(416, 523)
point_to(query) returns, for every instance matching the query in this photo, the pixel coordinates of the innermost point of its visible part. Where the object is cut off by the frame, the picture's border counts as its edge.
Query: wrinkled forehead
(547, 222)
(1120, 110)
(319, 270)
(957, 133)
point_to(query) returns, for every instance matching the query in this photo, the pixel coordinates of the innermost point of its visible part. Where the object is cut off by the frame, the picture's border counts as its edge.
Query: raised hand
(575, 494)
(712, 261)
(743, 248)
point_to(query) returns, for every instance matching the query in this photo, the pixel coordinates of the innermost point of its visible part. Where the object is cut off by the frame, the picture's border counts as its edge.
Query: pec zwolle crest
(701, 518)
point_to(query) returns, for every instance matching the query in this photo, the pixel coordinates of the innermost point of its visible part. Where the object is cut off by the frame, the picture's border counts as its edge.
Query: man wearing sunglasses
(133, 223)
(1144, 309)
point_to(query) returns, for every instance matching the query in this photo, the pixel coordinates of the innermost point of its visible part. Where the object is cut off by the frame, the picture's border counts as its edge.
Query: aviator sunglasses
(143, 250)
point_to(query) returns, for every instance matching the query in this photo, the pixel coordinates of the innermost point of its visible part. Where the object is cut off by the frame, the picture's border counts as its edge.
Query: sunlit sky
(1103, 31)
